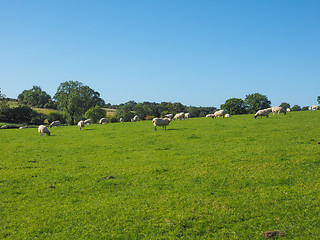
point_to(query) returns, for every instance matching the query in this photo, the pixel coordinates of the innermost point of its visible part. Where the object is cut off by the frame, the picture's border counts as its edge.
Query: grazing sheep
(278, 110)
(310, 108)
(219, 113)
(121, 120)
(315, 107)
(135, 118)
(263, 112)
(43, 129)
(81, 124)
(187, 115)
(23, 127)
(55, 124)
(103, 121)
(169, 115)
(4, 127)
(160, 122)
(227, 115)
(288, 110)
(179, 116)
(209, 115)
(87, 121)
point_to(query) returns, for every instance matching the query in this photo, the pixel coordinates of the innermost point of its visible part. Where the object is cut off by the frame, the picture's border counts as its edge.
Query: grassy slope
(202, 178)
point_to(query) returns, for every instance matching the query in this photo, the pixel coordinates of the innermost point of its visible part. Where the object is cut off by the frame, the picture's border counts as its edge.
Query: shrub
(95, 114)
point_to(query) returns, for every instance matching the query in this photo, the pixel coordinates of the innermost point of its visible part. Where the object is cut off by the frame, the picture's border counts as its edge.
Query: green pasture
(202, 178)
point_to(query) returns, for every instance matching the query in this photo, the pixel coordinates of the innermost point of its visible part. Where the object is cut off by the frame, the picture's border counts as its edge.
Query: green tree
(318, 99)
(296, 108)
(2, 96)
(125, 113)
(285, 105)
(75, 99)
(34, 97)
(95, 114)
(256, 101)
(234, 106)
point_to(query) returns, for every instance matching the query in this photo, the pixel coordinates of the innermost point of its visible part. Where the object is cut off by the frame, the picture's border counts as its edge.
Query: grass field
(202, 178)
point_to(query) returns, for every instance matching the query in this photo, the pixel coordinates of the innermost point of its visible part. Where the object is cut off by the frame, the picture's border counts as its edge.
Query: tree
(318, 99)
(285, 105)
(234, 106)
(75, 99)
(256, 101)
(296, 108)
(95, 114)
(2, 96)
(305, 108)
(125, 113)
(34, 97)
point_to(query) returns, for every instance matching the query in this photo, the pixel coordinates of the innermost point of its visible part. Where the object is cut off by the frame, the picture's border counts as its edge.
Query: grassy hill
(202, 178)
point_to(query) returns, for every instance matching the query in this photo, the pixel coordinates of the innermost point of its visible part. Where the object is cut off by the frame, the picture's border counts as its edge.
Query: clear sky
(199, 53)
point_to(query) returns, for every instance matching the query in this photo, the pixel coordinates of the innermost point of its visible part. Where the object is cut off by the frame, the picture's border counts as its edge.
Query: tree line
(76, 101)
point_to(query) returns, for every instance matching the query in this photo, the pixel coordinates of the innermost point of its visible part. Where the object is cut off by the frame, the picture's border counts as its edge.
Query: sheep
(187, 115)
(288, 110)
(23, 127)
(315, 107)
(227, 115)
(179, 116)
(278, 110)
(263, 112)
(55, 124)
(209, 115)
(310, 108)
(43, 129)
(87, 121)
(169, 115)
(121, 120)
(160, 122)
(4, 127)
(135, 118)
(103, 121)
(219, 113)
(81, 124)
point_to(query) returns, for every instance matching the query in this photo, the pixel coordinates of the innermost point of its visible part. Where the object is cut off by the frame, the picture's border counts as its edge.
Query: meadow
(201, 178)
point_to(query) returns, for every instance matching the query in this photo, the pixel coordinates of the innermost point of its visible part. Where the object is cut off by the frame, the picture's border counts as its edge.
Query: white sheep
(227, 115)
(278, 110)
(4, 127)
(210, 115)
(310, 108)
(187, 115)
(263, 112)
(87, 121)
(23, 127)
(103, 121)
(55, 124)
(81, 124)
(169, 115)
(288, 110)
(179, 116)
(315, 107)
(160, 122)
(135, 118)
(121, 120)
(219, 113)
(43, 129)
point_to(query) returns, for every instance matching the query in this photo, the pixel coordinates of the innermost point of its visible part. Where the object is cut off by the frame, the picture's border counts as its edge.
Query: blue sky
(199, 53)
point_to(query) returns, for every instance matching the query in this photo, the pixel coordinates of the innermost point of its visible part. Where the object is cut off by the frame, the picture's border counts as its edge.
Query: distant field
(12, 104)
(202, 178)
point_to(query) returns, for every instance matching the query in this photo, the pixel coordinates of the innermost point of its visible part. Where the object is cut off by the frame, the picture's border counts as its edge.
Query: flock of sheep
(42, 129)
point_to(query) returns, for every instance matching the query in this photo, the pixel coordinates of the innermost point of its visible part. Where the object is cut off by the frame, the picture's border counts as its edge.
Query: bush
(148, 117)
(56, 116)
(95, 114)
